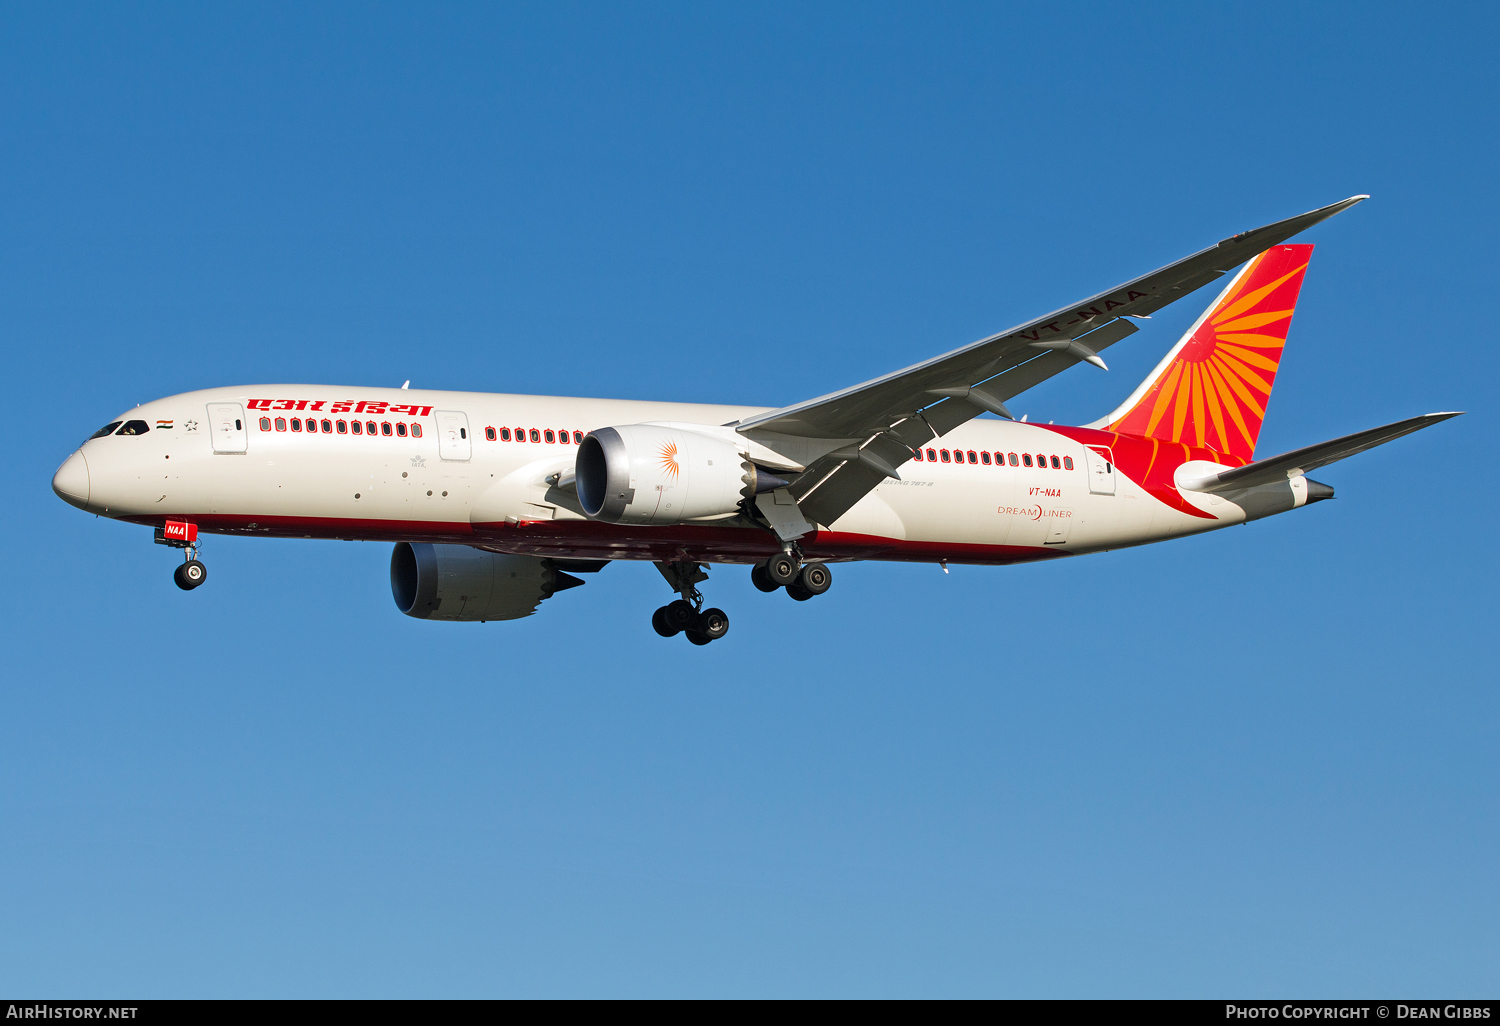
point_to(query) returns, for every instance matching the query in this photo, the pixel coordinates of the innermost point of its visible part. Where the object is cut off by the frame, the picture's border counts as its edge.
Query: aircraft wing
(883, 419)
(1310, 458)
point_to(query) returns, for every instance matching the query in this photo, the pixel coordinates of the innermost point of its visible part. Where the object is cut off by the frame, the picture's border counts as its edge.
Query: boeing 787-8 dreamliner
(495, 502)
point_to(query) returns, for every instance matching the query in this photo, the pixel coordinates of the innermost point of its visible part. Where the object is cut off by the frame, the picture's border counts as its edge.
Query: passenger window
(265, 423)
(370, 427)
(944, 454)
(385, 428)
(520, 434)
(1013, 459)
(973, 458)
(356, 428)
(280, 424)
(107, 429)
(1026, 459)
(931, 455)
(984, 458)
(1067, 463)
(489, 434)
(1055, 464)
(577, 437)
(416, 430)
(343, 427)
(1041, 460)
(463, 432)
(401, 430)
(536, 436)
(505, 434)
(548, 436)
(312, 425)
(296, 423)
(562, 436)
(135, 427)
(918, 456)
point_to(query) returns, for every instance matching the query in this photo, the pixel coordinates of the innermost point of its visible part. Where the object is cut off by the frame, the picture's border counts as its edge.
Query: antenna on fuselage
(406, 382)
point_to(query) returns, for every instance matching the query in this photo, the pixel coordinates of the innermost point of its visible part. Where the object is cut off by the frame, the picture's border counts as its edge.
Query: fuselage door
(1101, 470)
(453, 435)
(226, 423)
(1059, 525)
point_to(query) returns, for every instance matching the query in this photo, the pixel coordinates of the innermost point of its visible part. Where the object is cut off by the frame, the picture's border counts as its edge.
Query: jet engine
(456, 582)
(663, 474)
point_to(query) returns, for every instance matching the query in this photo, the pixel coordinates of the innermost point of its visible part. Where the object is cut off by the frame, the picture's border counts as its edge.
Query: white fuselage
(496, 493)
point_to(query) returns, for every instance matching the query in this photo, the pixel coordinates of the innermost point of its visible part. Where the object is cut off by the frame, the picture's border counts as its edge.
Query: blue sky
(1260, 762)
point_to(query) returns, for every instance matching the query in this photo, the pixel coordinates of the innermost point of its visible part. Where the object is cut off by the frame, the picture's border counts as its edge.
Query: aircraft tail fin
(1211, 389)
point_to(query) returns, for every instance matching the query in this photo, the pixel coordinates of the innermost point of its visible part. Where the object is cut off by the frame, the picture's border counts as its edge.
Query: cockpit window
(107, 429)
(135, 427)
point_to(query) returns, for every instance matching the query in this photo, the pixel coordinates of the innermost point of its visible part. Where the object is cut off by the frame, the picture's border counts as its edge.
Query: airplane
(496, 502)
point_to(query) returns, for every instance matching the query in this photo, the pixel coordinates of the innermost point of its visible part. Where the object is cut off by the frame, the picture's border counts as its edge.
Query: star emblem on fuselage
(190, 425)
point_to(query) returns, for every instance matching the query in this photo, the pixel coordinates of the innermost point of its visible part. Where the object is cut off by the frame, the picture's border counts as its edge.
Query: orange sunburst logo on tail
(1212, 388)
(667, 457)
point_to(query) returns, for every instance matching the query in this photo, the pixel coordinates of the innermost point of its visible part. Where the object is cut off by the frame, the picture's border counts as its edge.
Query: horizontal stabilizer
(1302, 461)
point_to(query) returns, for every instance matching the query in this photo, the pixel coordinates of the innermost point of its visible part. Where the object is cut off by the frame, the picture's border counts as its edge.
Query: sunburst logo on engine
(667, 455)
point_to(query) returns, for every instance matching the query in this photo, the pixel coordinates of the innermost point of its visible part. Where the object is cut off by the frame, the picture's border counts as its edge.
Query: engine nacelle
(456, 582)
(662, 474)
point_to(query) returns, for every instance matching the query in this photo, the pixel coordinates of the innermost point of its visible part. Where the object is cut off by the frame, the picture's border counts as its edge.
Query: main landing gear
(192, 572)
(687, 615)
(784, 570)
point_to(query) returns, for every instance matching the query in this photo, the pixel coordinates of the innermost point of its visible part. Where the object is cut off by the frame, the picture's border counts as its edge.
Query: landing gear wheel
(796, 591)
(713, 624)
(759, 578)
(679, 616)
(781, 569)
(815, 578)
(697, 637)
(659, 623)
(190, 575)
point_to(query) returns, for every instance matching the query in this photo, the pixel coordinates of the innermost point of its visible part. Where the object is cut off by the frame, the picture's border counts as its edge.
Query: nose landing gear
(687, 615)
(190, 574)
(178, 535)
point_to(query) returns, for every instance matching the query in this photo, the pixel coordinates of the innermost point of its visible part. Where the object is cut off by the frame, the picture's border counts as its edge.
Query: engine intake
(662, 474)
(456, 582)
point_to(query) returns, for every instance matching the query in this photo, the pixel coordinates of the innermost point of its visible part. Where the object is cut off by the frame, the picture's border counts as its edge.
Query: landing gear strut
(786, 570)
(192, 572)
(687, 615)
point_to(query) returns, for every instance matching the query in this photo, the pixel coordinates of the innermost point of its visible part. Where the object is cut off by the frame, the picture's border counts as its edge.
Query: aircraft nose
(71, 482)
